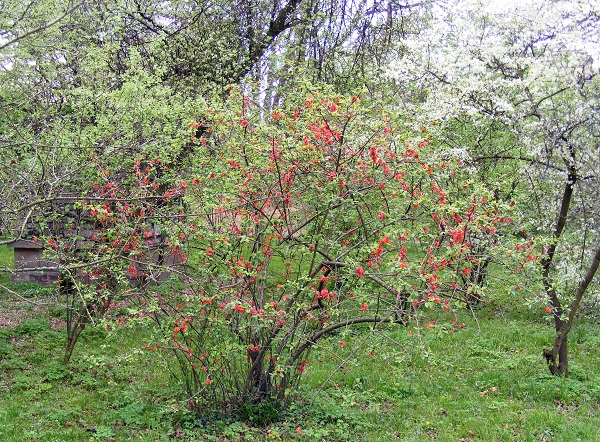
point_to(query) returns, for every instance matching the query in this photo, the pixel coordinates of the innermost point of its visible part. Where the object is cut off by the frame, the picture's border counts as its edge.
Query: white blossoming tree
(525, 80)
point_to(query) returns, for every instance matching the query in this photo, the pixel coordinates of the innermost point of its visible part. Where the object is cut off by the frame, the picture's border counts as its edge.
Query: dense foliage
(300, 168)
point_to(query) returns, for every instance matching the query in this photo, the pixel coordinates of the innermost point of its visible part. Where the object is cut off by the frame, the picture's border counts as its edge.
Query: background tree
(525, 78)
(195, 50)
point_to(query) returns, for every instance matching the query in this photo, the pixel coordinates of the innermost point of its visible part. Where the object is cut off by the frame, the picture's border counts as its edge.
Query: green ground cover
(6, 262)
(484, 382)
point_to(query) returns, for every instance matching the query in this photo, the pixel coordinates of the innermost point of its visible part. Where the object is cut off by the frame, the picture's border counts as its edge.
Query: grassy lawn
(6, 262)
(484, 382)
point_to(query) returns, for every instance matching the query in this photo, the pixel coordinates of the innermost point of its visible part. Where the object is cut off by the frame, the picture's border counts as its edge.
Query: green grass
(485, 382)
(489, 385)
(6, 263)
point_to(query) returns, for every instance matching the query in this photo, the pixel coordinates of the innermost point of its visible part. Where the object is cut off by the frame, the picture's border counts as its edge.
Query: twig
(40, 28)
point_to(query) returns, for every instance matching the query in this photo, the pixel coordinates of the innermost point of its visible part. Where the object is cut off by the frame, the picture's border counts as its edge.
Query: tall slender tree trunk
(560, 349)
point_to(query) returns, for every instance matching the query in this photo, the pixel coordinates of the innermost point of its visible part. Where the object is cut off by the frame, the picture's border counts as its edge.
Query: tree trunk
(558, 356)
(559, 350)
(71, 341)
(560, 367)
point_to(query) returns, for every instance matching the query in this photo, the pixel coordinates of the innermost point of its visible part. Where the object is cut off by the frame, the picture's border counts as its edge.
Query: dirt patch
(14, 312)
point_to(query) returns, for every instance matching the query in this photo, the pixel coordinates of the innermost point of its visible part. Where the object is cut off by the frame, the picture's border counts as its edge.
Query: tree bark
(563, 326)
(559, 350)
(72, 340)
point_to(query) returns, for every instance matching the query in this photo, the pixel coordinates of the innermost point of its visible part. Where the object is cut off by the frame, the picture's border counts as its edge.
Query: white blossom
(532, 66)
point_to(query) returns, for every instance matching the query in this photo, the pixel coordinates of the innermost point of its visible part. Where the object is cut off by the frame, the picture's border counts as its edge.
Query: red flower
(364, 307)
(458, 236)
(360, 272)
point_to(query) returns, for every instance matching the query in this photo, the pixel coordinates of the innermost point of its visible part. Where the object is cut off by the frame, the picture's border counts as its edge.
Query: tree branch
(279, 24)
(318, 335)
(566, 325)
(40, 28)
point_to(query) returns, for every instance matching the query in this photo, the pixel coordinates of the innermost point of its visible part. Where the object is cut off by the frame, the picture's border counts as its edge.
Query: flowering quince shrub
(113, 240)
(324, 215)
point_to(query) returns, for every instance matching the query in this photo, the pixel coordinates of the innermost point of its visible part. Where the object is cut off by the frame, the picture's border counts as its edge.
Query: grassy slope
(485, 382)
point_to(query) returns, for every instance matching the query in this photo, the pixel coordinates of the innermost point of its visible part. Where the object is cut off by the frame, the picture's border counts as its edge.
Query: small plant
(33, 327)
(260, 413)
